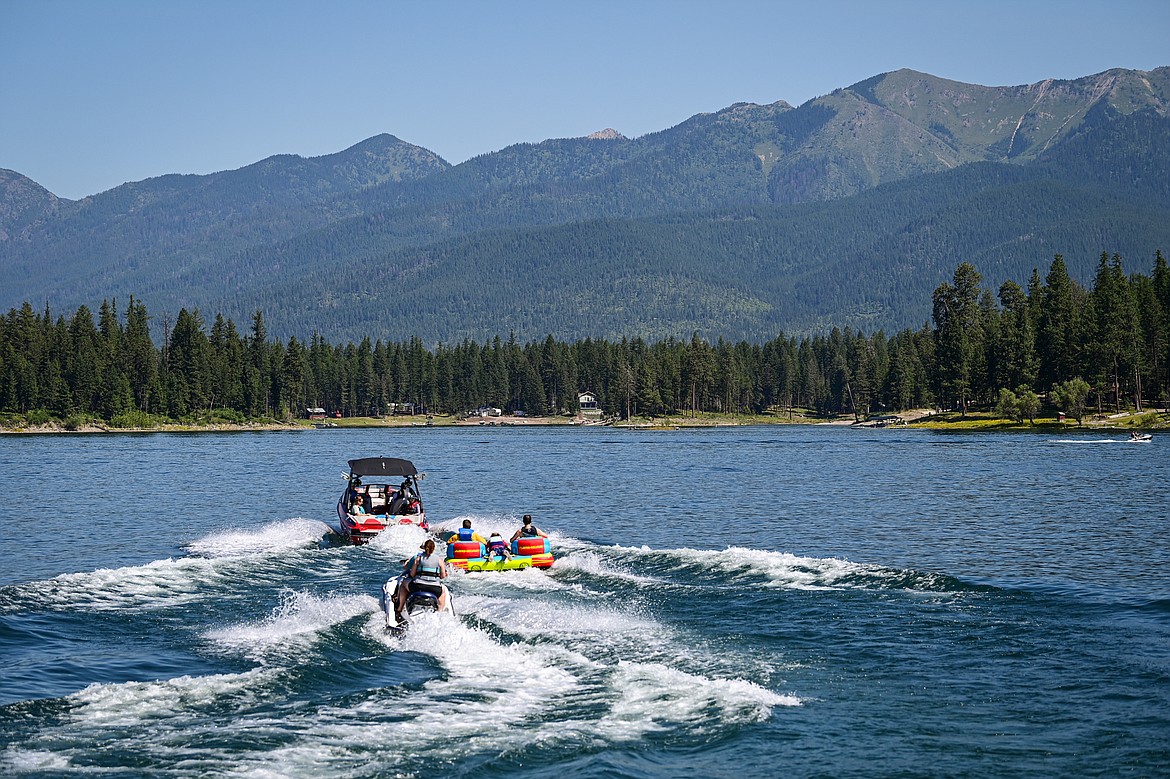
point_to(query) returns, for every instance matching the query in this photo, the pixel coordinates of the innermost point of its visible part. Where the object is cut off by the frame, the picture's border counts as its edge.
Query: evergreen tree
(188, 365)
(1059, 325)
(958, 335)
(1017, 362)
(141, 359)
(1158, 316)
(1115, 347)
(257, 372)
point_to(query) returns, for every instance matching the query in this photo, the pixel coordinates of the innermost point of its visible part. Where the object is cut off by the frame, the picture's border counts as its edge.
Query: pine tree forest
(1053, 342)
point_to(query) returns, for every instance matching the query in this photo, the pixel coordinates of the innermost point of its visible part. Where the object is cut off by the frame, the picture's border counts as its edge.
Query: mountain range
(743, 223)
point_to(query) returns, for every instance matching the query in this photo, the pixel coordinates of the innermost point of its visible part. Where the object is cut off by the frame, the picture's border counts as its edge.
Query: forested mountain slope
(155, 229)
(740, 222)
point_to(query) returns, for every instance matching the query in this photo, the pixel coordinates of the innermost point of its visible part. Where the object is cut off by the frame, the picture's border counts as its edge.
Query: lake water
(730, 602)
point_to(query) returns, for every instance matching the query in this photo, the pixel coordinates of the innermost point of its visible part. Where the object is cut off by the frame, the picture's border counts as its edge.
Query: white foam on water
(297, 622)
(594, 564)
(272, 538)
(173, 581)
(780, 569)
(400, 541)
(523, 579)
(565, 621)
(17, 759)
(652, 697)
(487, 690)
(490, 693)
(157, 718)
(160, 703)
(646, 698)
(783, 569)
(484, 524)
(158, 584)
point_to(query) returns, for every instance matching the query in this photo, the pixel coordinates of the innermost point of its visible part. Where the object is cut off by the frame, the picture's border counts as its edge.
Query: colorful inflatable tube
(472, 555)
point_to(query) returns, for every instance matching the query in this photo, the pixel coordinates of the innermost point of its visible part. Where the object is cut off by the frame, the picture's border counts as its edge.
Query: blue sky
(97, 93)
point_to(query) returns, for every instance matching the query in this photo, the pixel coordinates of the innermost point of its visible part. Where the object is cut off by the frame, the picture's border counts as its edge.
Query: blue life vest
(429, 569)
(466, 534)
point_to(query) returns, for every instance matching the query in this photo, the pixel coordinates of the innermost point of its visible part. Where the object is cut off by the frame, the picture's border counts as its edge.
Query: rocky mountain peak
(608, 134)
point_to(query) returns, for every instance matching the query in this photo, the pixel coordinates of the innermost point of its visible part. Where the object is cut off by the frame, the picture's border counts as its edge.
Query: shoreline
(923, 419)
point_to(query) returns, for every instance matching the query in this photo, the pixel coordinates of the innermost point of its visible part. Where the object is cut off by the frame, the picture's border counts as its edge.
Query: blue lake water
(729, 602)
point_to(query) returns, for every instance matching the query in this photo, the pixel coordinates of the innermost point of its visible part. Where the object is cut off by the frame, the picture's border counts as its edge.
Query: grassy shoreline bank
(921, 418)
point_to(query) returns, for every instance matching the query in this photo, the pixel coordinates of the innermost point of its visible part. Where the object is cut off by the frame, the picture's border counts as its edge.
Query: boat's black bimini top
(382, 466)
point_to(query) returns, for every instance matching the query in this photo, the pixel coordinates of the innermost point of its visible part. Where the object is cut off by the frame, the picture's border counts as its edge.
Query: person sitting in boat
(404, 502)
(467, 534)
(528, 530)
(1134, 435)
(359, 505)
(498, 547)
(427, 572)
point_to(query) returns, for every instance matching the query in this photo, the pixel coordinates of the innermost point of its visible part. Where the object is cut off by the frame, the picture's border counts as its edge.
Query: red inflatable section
(464, 550)
(531, 546)
(542, 560)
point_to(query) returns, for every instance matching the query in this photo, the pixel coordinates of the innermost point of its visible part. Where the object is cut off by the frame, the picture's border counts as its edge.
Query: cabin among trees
(1105, 348)
(587, 404)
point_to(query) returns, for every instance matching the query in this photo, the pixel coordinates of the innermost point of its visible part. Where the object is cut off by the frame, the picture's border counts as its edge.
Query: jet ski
(419, 602)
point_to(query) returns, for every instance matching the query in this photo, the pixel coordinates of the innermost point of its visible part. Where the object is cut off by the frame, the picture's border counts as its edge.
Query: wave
(215, 561)
(548, 654)
(129, 704)
(656, 697)
(158, 584)
(1100, 441)
(786, 570)
(296, 623)
(273, 538)
(564, 621)
(596, 565)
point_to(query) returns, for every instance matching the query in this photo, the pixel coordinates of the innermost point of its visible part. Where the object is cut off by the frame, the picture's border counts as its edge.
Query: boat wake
(298, 622)
(215, 563)
(751, 567)
(273, 538)
(1102, 441)
(599, 650)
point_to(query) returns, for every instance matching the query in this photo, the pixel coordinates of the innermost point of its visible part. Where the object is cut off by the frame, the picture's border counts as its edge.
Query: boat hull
(360, 528)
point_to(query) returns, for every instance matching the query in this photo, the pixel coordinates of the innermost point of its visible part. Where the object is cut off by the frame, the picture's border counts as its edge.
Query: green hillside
(740, 222)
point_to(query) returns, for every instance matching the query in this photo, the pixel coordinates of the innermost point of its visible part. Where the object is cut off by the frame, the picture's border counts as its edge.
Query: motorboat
(525, 552)
(1136, 436)
(418, 602)
(379, 492)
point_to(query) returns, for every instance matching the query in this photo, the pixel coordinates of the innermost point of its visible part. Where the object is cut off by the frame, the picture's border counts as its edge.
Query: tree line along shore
(1052, 347)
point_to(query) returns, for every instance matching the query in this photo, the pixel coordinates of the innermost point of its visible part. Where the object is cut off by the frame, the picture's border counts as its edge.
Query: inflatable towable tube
(473, 556)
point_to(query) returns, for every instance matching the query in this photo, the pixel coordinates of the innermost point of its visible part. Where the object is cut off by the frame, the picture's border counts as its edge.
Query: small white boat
(374, 498)
(1137, 437)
